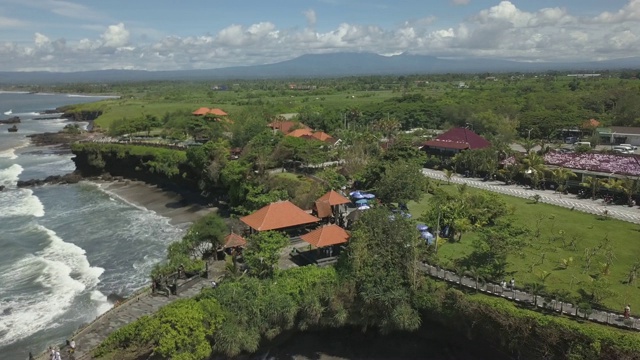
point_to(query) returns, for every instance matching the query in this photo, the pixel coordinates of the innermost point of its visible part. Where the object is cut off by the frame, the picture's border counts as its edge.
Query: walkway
(88, 338)
(624, 213)
(603, 317)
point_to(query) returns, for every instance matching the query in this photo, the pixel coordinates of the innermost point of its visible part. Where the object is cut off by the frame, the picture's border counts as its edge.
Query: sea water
(64, 247)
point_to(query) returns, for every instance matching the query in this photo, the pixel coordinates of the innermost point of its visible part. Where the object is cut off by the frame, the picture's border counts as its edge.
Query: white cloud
(6, 22)
(41, 40)
(115, 36)
(503, 31)
(311, 17)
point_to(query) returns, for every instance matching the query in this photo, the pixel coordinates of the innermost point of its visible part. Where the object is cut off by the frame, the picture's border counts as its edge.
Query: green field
(547, 250)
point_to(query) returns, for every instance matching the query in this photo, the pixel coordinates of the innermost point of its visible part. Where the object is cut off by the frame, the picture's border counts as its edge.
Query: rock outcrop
(11, 120)
(72, 178)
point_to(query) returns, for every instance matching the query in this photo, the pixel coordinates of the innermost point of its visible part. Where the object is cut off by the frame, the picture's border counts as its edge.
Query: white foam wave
(65, 273)
(9, 154)
(20, 202)
(32, 113)
(9, 176)
(13, 92)
(93, 96)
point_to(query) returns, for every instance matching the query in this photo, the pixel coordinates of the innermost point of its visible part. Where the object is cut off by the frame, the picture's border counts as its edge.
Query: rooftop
(459, 139)
(326, 236)
(278, 215)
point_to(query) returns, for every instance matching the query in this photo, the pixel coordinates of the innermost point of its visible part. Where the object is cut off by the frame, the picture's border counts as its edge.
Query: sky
(75, 35)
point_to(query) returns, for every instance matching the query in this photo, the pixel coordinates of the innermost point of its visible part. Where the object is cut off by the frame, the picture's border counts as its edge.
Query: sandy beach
(181, 208)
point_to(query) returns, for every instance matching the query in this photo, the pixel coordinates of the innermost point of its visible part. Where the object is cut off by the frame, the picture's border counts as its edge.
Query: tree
(401, 182)
(534, 169)
(263, 252)
(207, 161)
(593, 184)
(209, 229)
(448, 174)
(535, 288)
(477, 273)
(381, 264)
(561, 176)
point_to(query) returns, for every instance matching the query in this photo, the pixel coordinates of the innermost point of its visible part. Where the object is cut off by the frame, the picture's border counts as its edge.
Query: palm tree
(533, 167)
(448, 174)
(593, 184)
(563, 296)
(535, 289)
(561, 176)
(477, 274)
(528, 145)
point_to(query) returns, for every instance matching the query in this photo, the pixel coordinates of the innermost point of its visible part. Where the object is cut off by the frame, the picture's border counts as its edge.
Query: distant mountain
(323, 65)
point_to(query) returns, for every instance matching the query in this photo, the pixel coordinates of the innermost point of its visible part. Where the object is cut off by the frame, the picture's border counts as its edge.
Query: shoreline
(180, 208)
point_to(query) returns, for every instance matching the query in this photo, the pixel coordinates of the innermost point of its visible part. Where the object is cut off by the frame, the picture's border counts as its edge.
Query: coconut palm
(448, 174)
(528, 145)
(593, 184)
(533, 168)
(478, 274)
(561, 176)
(535, 289)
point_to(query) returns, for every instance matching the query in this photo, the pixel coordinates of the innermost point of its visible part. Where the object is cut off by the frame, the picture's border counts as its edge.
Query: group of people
(511, 284)
(54, 351)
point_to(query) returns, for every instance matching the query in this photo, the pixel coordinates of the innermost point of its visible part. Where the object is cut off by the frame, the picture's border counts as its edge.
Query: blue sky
(70, 35)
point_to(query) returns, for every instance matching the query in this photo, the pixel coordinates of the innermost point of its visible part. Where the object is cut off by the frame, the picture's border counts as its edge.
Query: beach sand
(181, 208)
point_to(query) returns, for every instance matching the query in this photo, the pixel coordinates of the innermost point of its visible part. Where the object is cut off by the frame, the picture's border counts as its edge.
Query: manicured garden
(565, 250)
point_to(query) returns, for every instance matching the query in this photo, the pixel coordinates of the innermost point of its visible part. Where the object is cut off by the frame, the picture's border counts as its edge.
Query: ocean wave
(9, 176)
(65, 273)
(93, 96)
(9, 154)
(20, 202)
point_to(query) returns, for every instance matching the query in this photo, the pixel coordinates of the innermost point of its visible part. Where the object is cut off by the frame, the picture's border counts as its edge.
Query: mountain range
(324, 65)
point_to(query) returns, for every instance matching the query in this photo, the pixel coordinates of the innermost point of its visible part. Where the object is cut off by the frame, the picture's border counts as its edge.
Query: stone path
(597, 207)
(88, 338)
(603, 317)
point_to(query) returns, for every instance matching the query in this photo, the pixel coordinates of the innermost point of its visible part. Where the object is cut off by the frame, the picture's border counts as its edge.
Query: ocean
(64, 247)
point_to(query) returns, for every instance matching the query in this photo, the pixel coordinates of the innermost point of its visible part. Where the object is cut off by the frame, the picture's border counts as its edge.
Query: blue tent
(428, 237)
(362, 202)
(422, 227)
(368, 196)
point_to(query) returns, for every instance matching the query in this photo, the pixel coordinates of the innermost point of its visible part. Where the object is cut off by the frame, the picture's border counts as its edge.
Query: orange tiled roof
(300, 133)
(326, 235)
(322, 136)
(333, 198)
(323, 208)
(201, 111)
(234, 240)
(278, 215)
(286, 126)
(591, 124)
(218, 112)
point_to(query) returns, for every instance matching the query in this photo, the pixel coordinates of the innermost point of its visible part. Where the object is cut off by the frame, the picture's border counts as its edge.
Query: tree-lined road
(624, 213)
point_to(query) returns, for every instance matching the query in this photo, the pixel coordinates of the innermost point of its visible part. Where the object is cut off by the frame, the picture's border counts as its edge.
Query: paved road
(597, 207)
(608, 318)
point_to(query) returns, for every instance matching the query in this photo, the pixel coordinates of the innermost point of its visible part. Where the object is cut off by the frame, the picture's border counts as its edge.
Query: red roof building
(333, 198)
(278, 215)
(201, 112)
(326, 236)
(322, 136)
(299, 133)
(286, 127)
(456, 140)
(217, 112)
(234, 240)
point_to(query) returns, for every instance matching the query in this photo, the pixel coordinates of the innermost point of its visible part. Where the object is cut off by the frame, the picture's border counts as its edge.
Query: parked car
(629, 147)
(582, 143)
(570, 140)
(622, 150)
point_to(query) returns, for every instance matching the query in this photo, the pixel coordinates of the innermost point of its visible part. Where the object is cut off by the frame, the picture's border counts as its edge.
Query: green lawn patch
(562, 234)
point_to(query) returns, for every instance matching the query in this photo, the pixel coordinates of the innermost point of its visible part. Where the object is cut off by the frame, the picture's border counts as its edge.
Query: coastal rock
(11, 120)
(72, 178)
(59, 138)
(2, 188)
(7, 311)
(115, 298)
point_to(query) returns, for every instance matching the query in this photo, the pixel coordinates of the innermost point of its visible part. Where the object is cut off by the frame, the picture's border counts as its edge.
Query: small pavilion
(279, 215)
(234, 241)
(330, 204)
(325, 240)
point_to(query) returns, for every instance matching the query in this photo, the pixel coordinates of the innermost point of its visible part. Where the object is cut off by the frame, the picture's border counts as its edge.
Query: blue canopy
(422, 227)
(368, 196)
(354, 193)
(362, 202)
(428, 237)
(364, 207)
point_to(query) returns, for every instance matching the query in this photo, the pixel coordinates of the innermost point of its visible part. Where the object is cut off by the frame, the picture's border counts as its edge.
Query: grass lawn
(547, 250)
